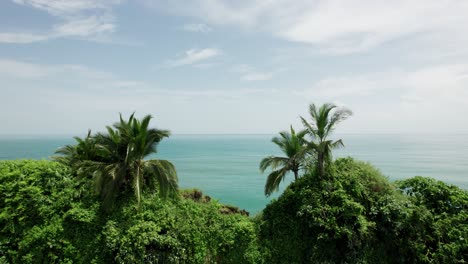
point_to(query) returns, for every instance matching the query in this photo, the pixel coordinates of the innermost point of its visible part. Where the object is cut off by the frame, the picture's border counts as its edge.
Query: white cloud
(34, 71)
(249, 73)
(87, 19)
(19, 69)
(440, 83)
(427, 99)
(66, 8)
(194, 56)
(445, 83)
(258, 76)
(21, 38)
(334, 26)
(242, 68)
(85, 27)
(202, 28)
(424, 100)
(360, 85)
(94, 98)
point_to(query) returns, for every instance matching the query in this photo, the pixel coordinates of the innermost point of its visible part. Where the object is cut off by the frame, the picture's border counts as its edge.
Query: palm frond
(337, 144)
(313, 111)
(302, 133)
(273, 163)
(311, 129)
(324, 120)
(115, 160)
(273, 180)
(339, 115)
(164, 174)
(293, 145)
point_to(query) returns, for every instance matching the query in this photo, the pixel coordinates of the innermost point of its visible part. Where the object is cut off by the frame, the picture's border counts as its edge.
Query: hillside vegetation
(46, 216)
(103, 201)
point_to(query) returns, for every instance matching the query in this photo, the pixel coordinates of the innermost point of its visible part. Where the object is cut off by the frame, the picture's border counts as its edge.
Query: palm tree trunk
(296, 174)
(320, 164)
(138, 184)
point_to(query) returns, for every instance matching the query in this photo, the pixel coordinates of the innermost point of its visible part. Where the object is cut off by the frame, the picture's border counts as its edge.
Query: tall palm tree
(292, 145)
(119, 163)
(324, 121)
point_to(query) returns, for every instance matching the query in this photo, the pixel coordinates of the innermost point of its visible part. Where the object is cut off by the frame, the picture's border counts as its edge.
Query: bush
(47, 216)
(355, 216)
(35, 194)
(358, 216)
(324, 221)
(447, 233)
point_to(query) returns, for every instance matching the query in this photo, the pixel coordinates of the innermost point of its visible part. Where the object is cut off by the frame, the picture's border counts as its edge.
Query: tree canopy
(292, 145)
(335, 211)
(324, 120)
(116, 160)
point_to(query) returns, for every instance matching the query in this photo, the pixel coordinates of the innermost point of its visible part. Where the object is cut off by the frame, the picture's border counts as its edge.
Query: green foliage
(116, 160)
(437, 196)
(448, 206)
(357, 216)
(301, 153)
(293, 146)
(182, 232)
(324, 120)
(48, 216)
(35, 195)
(319, 221)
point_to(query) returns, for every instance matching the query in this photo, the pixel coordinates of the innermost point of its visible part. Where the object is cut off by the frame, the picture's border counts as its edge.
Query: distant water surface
(226, 166)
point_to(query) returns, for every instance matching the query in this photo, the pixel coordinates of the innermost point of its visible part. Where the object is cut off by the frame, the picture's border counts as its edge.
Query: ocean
(226, 166)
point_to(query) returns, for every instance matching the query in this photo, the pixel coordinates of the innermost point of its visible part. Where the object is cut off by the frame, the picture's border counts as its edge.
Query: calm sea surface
(226, 166)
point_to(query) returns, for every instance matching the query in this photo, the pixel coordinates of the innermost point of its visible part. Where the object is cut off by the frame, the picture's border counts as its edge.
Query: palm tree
(322, 125)
(74, 155)
(292, 145)
(119, 164)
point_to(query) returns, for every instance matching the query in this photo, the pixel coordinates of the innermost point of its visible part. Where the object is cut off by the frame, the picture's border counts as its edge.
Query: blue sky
(207, 66)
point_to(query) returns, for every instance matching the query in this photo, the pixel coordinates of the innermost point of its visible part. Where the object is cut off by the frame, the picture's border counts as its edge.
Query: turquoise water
(226, 166)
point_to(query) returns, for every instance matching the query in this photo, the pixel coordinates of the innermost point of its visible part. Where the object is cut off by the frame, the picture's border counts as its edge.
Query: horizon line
(236, 134)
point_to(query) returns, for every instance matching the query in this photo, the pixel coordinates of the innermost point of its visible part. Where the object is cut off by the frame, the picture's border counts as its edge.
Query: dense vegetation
(357, 216)
(307, 154)
(345, 211)
(116, 160)
(46, 216)
(101, 201)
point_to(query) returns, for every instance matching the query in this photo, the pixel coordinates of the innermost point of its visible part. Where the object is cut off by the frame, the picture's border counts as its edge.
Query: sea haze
(226, 166)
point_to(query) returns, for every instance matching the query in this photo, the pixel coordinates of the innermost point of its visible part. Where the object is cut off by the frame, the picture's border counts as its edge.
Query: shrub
(358, 216)
(47, 216)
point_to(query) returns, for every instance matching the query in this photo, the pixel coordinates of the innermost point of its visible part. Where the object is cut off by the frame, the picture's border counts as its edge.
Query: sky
(230, 67)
